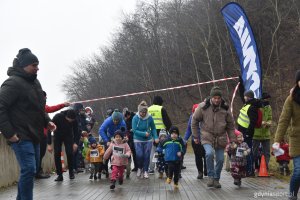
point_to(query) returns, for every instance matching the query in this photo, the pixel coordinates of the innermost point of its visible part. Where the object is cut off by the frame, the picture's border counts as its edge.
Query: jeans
(214, 171)
(28, 155)
(152, 164)
(295, 180)
(143, 151)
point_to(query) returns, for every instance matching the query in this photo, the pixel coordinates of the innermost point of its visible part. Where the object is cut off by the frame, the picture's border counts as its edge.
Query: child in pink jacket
(120, 153)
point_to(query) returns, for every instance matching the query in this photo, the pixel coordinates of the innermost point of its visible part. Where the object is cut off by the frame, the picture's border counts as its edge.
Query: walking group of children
(170, 150)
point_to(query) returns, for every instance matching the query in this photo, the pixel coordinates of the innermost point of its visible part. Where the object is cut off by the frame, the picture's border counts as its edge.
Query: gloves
(276, 146)
(245, 153)
(179, 154)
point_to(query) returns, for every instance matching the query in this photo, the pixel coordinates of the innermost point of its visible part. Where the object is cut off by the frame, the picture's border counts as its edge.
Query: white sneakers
(146, 175)
(139, 172)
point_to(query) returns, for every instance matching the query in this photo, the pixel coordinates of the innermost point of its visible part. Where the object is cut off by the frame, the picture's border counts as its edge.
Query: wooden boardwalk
(81, 188)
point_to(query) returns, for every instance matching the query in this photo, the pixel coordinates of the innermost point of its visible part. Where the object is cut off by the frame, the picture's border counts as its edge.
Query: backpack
(259, 118)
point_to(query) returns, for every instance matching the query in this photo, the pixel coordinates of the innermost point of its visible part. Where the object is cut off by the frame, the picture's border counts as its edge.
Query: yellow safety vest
(243, 119)
(155, 111)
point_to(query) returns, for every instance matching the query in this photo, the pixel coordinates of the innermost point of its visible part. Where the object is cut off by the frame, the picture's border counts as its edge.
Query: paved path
(81, 188)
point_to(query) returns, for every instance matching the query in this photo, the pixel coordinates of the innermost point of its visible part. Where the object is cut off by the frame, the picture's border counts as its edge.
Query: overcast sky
(58, 32)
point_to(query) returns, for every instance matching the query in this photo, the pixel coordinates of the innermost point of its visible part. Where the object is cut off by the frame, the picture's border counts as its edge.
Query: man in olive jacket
(23, 117)
(216, 122)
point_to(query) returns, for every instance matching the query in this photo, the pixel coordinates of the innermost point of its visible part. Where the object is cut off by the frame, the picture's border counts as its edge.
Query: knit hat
(216, 91)
(174, 129)
(162, 132)
(92, 140)
(237, 132)
(120, 133)
(297, 77)
(249, 94)
(157, 100)
(117, 116)
(142, 106)
(24, 58)
(195, 106)
(88, 108)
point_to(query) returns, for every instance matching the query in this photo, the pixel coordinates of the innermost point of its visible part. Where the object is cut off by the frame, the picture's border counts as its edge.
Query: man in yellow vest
(246, 124)
(161, 121)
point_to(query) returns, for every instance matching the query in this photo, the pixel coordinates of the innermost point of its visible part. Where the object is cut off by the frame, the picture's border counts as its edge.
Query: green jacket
(263, 133)
(290, 115)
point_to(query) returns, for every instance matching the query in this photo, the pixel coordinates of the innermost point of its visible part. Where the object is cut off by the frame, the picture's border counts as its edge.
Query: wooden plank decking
(81, 188)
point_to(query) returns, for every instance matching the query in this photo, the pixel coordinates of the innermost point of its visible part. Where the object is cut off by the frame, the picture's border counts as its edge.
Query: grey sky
(59, 32)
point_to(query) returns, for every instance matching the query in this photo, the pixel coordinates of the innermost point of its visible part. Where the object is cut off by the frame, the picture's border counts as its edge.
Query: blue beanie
(117, 116)
(92, 140)
(24, 58)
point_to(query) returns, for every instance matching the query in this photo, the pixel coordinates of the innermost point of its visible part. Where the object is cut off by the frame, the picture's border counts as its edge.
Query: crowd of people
(146, 139)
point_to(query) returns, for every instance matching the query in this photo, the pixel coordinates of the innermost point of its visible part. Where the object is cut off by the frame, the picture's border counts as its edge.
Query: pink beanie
(236, 132)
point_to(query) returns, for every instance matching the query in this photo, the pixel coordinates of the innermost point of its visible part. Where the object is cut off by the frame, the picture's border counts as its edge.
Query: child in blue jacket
(173, 152)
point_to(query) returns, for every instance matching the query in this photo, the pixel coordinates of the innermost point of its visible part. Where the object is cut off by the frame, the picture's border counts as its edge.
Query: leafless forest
(169, 43)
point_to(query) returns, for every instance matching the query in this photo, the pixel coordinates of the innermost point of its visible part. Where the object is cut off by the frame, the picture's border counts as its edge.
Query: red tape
(158, 90)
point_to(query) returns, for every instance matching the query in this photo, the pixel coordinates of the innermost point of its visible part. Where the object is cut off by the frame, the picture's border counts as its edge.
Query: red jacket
(285, 156)
(51, 109)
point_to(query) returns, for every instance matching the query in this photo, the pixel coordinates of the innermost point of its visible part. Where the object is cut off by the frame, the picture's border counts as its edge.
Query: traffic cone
(62, 159)
(263, 172)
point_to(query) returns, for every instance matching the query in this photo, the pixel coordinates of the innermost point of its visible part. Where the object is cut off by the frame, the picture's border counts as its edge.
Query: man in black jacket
(67, 133)
(23, 117)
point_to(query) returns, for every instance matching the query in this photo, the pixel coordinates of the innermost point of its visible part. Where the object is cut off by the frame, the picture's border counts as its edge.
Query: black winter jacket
(22, 106)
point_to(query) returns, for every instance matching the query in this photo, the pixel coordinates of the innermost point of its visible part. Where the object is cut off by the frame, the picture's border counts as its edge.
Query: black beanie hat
(174, 129)
(24, 58)
(71, 114)
(157, 100)
(216, 91)
(120, 133)
(249, 94)
(265, 96)
(297, 77)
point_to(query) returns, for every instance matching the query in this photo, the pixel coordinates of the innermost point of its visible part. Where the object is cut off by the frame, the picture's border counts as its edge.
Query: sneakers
(120, 181)
(168, 180)
(161, 174)
(176, 186)
(71, 176)
(113, 185)
(91, 177)
(183, 167)
(217, 184)
(200, 175)
(237, 182)
(139, 172)
(210, 182)
(127, 176)
(59, 178)
(151, 172)
(146, 175)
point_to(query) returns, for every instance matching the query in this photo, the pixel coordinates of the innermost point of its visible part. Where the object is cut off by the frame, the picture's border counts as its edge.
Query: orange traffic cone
(263, 172)
(62, 159)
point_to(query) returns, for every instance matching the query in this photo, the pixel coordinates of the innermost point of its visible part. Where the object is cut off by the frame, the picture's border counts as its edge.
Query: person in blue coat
(198, 149)
(107, 130)
(144, 132)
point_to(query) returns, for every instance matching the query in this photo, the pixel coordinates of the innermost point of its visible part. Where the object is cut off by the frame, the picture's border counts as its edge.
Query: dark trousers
(43, 147)
(58, 141)
(96, 168)
(173, 170)
(250, 160)
(265, 151)
(199, 152)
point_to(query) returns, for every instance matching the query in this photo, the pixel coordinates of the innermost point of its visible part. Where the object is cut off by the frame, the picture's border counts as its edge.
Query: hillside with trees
(169, 43)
